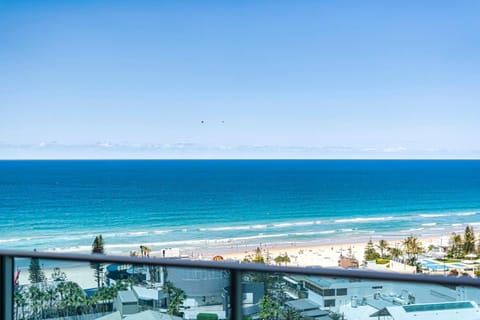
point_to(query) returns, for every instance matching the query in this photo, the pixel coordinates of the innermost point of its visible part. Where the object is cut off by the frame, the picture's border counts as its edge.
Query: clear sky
(239, 79)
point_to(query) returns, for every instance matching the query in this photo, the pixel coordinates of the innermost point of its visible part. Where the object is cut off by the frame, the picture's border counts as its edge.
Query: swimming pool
(433, 265)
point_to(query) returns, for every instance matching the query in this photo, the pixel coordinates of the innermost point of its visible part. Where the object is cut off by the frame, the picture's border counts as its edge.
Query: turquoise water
(192, 204)
(435, 265)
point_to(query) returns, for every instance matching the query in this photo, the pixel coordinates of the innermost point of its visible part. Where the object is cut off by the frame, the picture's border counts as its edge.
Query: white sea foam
(137, 233)
(14, 240)
(413, 230)
(470, 213)
(429, 224)
(295, 223)
(304, 223)
(327, 232)
(72, 249)
(119, 247)
(283, 225)
(312, 233)
(256, 226)
(364, 219)
(432, 215)
(162, 231)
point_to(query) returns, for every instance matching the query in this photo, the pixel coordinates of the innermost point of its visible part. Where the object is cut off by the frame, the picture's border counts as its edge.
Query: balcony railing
(77, 286)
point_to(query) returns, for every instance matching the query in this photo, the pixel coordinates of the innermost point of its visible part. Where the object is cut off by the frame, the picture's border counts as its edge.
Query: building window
(329, 303)
(328, 292)
(342, 292)
(313, 288)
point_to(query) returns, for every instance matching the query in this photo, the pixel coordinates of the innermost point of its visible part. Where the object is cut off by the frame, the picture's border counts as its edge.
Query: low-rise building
(466, 310)
(126, 302)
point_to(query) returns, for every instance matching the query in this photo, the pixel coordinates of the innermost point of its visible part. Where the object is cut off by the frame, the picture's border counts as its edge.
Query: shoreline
(323, 254)
(300, 254)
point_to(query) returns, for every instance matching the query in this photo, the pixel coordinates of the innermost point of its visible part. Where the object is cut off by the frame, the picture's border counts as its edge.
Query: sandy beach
(324, 255)
(82, 275)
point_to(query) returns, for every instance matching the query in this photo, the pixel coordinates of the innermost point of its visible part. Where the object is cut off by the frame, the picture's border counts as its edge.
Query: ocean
(231, 204)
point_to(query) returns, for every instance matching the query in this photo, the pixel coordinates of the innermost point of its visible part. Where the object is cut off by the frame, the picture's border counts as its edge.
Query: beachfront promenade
(176, 288)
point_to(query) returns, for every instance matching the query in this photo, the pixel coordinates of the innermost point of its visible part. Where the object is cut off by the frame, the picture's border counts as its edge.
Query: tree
(413, 247)
(282, 258)
(382, 246)
(20, 302)
(258, 257)
(395, 252)
(98, 245)
(468, 240)
(35, 295)
(98, 248)
(176, 296)
(291, 314)
(456, 245)
(269, 308)
(36, 273)
(72, 297)
(370, 253)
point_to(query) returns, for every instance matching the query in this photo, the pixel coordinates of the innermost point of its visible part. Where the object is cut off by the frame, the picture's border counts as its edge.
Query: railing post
(6, 287)
(236, 312)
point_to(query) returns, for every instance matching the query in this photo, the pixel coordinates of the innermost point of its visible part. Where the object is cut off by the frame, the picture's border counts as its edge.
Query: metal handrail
(247, 267)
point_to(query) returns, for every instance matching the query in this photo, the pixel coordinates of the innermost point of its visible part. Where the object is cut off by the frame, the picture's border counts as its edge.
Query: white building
(335, 293)
(465, 310)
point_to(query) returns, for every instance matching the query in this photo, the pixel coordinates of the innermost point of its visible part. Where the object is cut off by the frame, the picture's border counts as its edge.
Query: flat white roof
(466, 310)
(145, 294)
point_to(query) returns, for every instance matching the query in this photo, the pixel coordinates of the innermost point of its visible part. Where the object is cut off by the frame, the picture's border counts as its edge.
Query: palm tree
(282, 258)
(51, 297)
(36, 297)
(20, 303)
(382, 246)
(413, 247)
(177, 296)
(258, 257)
(456, 244)
(103, 297)
(469, 240)
(395, 252)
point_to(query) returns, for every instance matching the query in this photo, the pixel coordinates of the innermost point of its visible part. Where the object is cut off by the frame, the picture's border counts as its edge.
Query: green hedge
(207, 316)
(382, 261)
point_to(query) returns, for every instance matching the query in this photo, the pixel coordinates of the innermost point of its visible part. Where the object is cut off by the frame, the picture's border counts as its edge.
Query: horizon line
(238, 159)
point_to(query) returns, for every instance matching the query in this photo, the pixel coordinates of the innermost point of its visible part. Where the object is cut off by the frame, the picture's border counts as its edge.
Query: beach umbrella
(218, 258)
(471, 255)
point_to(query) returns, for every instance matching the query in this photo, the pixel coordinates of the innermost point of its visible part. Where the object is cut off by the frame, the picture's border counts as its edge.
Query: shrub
(207, 316)
(382, 261)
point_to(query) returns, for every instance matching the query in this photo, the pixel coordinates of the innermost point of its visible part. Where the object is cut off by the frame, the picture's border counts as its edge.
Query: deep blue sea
(199, 204)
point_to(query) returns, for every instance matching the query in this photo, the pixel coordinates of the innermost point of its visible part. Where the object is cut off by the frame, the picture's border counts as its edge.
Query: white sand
(325, 255)
(82, 275)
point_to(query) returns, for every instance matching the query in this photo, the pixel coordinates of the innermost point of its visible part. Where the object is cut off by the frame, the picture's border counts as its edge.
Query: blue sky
(269, 79)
